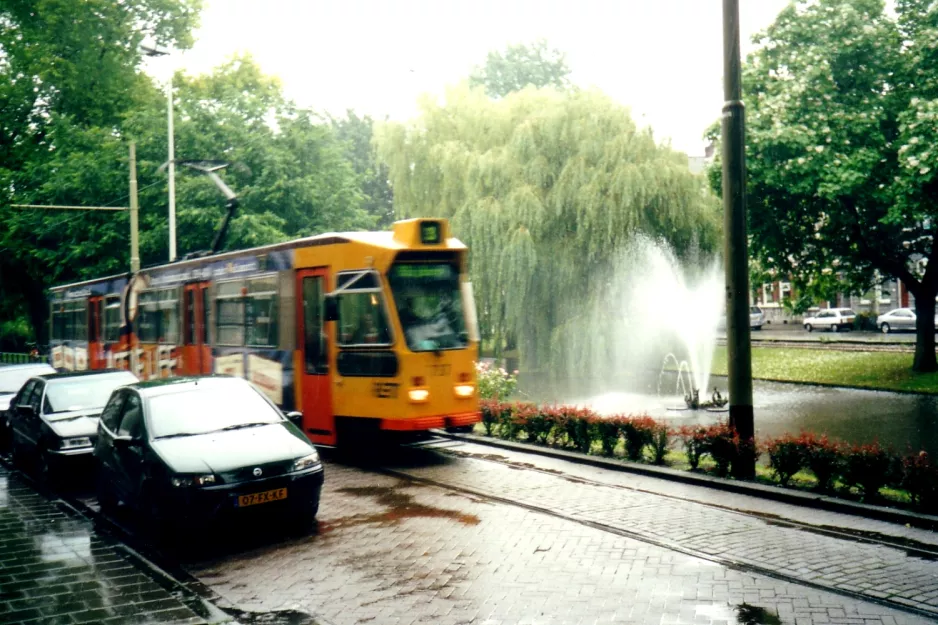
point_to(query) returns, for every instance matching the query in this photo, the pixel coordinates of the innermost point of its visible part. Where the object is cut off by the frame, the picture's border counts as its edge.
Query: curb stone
(831, 504)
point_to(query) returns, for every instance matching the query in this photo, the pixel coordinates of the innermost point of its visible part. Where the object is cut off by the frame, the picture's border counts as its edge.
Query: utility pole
(736, 255)
(172, 171)
(134, 240)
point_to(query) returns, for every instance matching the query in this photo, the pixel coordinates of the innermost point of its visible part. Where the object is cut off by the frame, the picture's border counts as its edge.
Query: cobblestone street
(452, 538)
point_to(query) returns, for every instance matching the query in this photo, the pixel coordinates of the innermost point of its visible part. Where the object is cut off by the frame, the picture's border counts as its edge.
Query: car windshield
(12, 380)
(429, 303)
(209, 408)
(83, 392)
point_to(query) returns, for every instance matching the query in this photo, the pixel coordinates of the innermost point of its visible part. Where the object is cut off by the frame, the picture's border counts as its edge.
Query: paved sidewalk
(399, 552)
(55, 569)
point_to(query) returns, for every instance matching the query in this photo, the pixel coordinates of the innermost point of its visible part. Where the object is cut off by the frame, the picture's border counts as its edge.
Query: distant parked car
(54, 418)
(899, 319)
(12, 379)
(756, 319)
(833, 319)
(186, 451)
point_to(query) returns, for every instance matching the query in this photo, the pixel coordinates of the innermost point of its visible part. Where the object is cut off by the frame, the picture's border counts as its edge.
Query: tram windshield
(429, 304)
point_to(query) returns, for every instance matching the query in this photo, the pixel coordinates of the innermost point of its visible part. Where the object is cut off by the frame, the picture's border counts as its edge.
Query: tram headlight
(464, 390)
(418, 395)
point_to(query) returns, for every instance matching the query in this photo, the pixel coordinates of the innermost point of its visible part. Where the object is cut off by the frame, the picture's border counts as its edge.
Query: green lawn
(877, 370)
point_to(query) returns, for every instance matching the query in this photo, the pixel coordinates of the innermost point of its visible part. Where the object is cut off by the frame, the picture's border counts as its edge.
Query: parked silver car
(833, 319)
(756, 319)
(899, 319)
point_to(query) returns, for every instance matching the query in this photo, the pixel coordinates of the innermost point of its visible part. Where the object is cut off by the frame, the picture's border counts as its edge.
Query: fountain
(655, 303)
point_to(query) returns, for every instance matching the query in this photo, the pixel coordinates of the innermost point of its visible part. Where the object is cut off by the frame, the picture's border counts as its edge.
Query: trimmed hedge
(865, 469)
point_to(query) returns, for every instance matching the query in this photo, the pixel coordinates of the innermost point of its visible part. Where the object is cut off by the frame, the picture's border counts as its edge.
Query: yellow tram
(362, 331)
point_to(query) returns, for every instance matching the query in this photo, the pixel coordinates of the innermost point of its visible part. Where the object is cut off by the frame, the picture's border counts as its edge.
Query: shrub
(660, 442)
(695, 442)
(536, 423)
(576, 424)
(787, 456)
(824, 458)
(867, 466)
(495, 382)
(920, 478)
(723, 445)
(608, 432)
(638, 433)
(491, 414)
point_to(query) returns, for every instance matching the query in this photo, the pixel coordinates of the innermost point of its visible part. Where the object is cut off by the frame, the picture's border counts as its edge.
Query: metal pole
(172, 172)
(739, 356)
(134, 240)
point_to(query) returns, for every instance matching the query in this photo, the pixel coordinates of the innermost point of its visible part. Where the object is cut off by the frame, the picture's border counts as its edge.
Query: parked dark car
(54, 418)
(185, 451)
(12, 379)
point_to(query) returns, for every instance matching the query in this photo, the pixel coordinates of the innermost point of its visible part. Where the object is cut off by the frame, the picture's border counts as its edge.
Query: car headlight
(75, 442)
(306, 462)
(188, 481)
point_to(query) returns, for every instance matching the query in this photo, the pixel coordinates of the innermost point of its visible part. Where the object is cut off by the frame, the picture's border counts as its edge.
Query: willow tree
(546, 187)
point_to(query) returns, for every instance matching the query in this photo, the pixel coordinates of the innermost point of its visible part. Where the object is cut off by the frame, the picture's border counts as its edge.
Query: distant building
(698, 164)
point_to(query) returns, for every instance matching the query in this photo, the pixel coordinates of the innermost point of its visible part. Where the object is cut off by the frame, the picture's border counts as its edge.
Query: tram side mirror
(332, 308)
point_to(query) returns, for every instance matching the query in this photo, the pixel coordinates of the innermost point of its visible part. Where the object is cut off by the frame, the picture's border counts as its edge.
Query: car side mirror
(332, 307)
(295, 417)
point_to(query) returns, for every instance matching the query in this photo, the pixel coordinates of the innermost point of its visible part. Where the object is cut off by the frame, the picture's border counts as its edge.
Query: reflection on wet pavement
(55, 569)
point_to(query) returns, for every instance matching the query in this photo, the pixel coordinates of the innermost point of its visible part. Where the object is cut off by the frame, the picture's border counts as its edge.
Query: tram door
(196, 350)
(312, 362)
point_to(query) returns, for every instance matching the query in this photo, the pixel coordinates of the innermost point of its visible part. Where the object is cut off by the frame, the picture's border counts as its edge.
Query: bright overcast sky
(663, 58)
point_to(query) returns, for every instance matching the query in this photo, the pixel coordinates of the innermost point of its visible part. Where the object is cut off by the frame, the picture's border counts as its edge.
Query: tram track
(910, 547)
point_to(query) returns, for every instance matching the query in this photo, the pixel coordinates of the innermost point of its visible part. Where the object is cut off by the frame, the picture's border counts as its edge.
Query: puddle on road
(754, 615)
(743, 613)
(400, 506)
(280, 617)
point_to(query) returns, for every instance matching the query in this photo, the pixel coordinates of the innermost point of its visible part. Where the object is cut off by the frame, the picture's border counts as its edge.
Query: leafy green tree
(357, 135)
(68, 72)
(520, 66)
(842, 105)
(546, 187)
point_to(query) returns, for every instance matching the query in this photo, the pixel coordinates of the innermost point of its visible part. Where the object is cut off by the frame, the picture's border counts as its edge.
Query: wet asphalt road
(468, 534)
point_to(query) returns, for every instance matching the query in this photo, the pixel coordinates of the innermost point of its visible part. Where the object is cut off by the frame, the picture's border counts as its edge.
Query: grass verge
(887, 371)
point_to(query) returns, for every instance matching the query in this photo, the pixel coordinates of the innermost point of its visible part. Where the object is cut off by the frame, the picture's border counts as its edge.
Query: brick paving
(398, 552)
(877, 571)
(54, 569)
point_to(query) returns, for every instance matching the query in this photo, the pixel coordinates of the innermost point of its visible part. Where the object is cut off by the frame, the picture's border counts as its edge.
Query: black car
(184, 451)
(12, 379)
(54, 418)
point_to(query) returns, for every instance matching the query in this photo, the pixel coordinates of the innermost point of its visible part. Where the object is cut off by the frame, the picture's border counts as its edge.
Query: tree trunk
(925, 361)
(38, 310)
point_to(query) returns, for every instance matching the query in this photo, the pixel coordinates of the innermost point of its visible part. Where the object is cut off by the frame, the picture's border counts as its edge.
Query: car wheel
(884, 328)
(835, 327)
(304, 517)
(45, 471)
(106, 497)
(808, 327)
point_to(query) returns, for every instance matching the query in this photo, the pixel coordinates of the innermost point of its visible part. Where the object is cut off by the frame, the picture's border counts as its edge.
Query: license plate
(266, 497)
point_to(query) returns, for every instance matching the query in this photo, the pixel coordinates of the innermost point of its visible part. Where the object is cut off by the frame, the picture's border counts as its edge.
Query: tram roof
(383, 239)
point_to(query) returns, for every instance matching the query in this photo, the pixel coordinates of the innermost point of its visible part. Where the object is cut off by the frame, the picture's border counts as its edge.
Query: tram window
(316, 345)
(169, 316)
(362, 319)
(76, 325)
(261, 313)
(148, 317)
(188, 324)
(112, 319)
(204, 316)
(58, 322)
(229, 318)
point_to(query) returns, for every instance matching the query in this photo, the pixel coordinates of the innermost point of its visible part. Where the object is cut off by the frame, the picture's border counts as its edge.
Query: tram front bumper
(429, 423)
